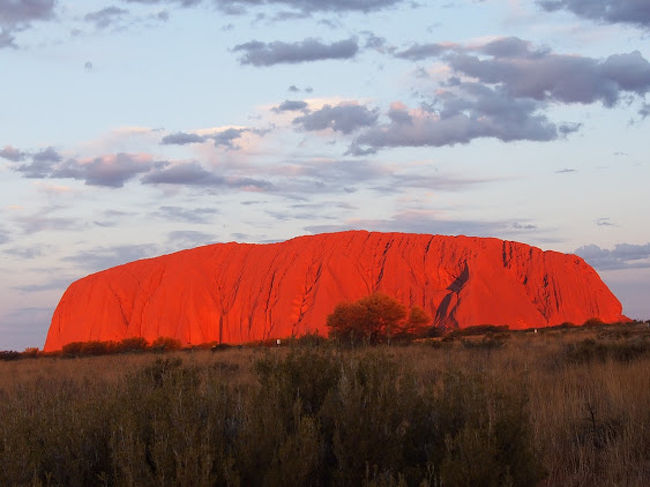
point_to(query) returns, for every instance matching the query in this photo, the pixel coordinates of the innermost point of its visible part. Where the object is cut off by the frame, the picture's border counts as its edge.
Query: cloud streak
(634, 12)
(237, 7)
(259, 54)
(622, 256)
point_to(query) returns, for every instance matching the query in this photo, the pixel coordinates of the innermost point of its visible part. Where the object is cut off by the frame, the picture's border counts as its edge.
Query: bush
(132, 344)
(9, 355)
(30, 352)
(166, 344)
(377, 318)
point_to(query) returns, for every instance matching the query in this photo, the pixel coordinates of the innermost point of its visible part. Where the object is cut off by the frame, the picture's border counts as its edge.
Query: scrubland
(565, 406)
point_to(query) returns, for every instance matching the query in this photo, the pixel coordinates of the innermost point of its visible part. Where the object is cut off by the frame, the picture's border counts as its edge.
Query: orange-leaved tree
(375, 319)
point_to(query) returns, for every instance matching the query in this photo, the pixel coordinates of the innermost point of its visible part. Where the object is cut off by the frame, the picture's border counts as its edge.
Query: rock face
(234, 293)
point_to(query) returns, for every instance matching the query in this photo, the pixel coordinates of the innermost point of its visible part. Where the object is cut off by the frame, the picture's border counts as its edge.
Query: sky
(135, 128)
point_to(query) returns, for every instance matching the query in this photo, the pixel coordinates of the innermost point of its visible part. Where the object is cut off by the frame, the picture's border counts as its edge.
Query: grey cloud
(605, 222)
(290, 106)
(18, 15)
(566, 170)
(417, 52)
(343, 118)
(58, 283)
(528, 72)
(295, 89)
(112, 171)
(42, 222)
(14, 12)
(644, 111)
(190, 173)
(568, 79)
(477, 111)
(622, 256)
(238, 7)
(635, 12)
(47, 155)
(42, 163)
(225, 138)
(189, 238)
(28, 252)
(182, 138)
(509, 47)
(188, 215)
(267, 54)
(6, 39)
(193, 174)
(25, 327)
(414, 221)
(105, 17)
(12, 154)
(4, 237)
(100, 258)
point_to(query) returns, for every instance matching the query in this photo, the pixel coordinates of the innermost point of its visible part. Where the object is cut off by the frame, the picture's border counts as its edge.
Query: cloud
(42, 163)
(188, 215)
(635, 12)
(622, 256)
(12, 154)
(189, 238)
(182, 138)
(18, 15)
(14, 12)
(417, 52)
(111, 170)
(54, 284)
(267, 54)
(193, 174)
(25, 327)
(105, 17)
(644, 111)
(104, 257)
(543, 75)
(226, 137)
(472, 112)
(41, 222)
(28, 252)
(237, 7)
(190, 173)
(290, 106)
(4, 237)
(223, 138)
(605, 222)
(6, 39)
(501, 89)
(524, 71)
(345, 118)
(426, 221)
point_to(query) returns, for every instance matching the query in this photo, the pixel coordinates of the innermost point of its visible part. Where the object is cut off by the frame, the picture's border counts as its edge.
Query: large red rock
(236, 293)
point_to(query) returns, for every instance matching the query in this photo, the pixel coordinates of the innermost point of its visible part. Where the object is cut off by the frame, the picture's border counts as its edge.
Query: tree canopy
(375, 319)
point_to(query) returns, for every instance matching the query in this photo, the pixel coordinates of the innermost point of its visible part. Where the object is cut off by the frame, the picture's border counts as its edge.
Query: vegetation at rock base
(566, 406)
(377, 318)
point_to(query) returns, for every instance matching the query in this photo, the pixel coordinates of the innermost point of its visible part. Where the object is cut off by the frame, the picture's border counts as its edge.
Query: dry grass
(499, 406)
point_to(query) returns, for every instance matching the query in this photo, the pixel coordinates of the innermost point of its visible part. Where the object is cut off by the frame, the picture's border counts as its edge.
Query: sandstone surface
(235, 293)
